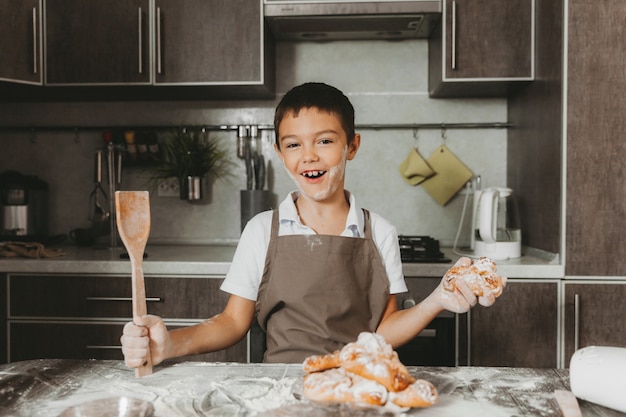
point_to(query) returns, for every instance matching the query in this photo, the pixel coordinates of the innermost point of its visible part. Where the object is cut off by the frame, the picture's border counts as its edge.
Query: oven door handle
(428, 333)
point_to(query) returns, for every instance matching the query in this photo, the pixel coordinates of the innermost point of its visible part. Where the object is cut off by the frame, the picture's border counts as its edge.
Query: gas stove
(420, 249)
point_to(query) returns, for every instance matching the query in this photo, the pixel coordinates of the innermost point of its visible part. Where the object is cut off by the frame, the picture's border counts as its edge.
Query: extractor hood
(356, 19)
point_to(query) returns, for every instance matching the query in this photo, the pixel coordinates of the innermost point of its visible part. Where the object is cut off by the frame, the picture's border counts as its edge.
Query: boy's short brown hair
(322, 96)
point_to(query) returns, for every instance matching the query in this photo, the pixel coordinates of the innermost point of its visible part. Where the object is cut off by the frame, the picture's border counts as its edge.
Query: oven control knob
(408, 303)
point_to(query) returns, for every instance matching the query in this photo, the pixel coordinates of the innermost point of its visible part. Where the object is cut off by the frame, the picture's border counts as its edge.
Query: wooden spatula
(133, 225)
(567, 403)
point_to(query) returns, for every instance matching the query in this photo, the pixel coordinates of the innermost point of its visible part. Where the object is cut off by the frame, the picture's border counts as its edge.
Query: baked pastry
(365, 372)
(339, 386)
(420, 393)
(373, 358)
(317, 363)
(480, 276)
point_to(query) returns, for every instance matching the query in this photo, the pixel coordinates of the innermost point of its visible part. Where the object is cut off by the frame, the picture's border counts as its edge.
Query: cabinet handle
(158, 39)
(151, 299)
(453, 40)
(576, 321)
(428, 333)
(102, 347)
(34, 40)
(139, 37)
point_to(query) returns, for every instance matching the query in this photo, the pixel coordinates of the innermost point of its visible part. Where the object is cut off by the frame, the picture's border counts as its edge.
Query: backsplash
(387, 84)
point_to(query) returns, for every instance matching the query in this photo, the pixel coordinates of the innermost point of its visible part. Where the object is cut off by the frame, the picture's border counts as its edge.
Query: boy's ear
(354, 146)
(278, 152)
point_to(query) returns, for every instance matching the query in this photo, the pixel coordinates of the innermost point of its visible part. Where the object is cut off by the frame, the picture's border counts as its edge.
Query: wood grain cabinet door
(94, 42)
(595, 314)
(20, 41)
(519, 330)
(488, 38)
(208, 42)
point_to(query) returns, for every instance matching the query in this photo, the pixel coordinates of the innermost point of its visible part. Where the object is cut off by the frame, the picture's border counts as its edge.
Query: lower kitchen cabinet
(88, 340)
(594, 314)
(67, 316)
(519, 330)
(3, 320)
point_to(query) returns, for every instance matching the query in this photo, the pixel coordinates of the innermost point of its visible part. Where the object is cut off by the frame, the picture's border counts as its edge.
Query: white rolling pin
(598, 375)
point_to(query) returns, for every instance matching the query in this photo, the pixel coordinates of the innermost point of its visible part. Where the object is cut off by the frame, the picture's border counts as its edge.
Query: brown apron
(318, 292)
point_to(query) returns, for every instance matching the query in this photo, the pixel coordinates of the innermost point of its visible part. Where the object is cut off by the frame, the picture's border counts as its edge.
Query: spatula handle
(140, 309)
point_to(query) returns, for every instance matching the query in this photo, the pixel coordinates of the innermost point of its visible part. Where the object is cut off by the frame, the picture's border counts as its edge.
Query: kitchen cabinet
(520, 330)
(81, 317)
(91, 42)
(209, 42)
(594, 313)
(481, 48)
(20, 41)
(3, 320)
(221, 47)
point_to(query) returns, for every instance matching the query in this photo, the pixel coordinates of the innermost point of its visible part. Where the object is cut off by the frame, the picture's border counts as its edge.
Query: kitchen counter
(47, 387)
(208, 260)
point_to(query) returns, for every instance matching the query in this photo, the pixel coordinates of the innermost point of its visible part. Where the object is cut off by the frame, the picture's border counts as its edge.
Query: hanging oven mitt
(451, 175)
(414, 169)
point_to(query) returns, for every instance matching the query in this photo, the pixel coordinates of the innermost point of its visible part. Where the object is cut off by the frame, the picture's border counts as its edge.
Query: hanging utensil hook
(415, 136)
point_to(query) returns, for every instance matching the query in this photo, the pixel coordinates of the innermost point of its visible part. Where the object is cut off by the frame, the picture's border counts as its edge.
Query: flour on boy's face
(314, 151)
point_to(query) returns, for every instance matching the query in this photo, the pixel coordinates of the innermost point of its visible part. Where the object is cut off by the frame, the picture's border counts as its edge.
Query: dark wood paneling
(493, 39)
(602, 310)
(596, 139)
(534, 144)
(3, 319)
(72, 296)
(519, 330)
(89, 341)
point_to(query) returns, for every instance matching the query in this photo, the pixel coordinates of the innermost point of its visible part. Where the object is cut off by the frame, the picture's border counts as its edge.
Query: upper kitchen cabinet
(209, 42)
(152, 49)
(20, 41)
(482, 48)
(93, 42)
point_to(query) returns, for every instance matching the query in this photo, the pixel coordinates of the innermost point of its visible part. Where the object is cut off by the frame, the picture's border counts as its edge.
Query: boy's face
(314, 149)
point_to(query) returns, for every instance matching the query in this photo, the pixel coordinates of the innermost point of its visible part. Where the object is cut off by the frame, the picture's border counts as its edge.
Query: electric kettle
(498, 233)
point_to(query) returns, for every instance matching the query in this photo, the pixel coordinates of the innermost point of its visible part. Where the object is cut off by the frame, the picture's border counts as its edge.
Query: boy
(317, 271)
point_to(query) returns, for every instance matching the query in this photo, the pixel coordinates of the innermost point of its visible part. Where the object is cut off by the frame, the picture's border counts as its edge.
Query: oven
(437, 344)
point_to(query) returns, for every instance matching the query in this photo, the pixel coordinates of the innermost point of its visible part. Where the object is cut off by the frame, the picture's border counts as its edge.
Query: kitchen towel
(451, 175)
(28, 250)
(414, 169)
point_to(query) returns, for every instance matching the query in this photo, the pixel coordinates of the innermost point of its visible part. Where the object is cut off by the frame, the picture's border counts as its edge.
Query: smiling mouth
(313, 174)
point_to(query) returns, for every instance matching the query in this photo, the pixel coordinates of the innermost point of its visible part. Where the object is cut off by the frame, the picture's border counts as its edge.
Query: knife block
(252, 203)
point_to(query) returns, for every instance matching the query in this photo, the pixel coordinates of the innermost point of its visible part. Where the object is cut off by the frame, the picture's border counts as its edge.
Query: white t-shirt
(246, 270)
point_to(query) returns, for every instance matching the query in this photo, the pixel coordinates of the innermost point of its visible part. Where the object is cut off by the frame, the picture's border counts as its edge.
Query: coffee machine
(23, 207)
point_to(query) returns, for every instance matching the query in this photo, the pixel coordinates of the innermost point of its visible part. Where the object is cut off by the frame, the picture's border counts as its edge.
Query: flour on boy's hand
(480, 276)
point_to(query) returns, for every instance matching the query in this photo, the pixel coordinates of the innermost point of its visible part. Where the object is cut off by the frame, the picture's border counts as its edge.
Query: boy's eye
(326, 141)
(292, 145)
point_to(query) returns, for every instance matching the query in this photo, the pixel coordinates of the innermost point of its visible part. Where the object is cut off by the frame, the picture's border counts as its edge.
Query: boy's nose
(309, 154)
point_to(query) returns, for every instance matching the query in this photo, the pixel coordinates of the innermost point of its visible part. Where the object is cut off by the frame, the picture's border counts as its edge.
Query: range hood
(356, 19)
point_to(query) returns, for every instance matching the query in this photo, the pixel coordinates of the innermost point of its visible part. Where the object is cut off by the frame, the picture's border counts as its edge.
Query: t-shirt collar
(354, 222)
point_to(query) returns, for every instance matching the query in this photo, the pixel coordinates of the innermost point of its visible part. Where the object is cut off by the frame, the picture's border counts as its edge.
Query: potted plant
(191, 156)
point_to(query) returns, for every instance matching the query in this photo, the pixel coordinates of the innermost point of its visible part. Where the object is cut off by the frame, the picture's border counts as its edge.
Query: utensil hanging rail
(229, 127)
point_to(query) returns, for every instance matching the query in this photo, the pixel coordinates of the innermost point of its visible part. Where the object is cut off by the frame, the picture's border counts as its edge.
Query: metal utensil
(98, 193)
(249, 167)
(113, 407)
(259, 171)
(133, 223)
